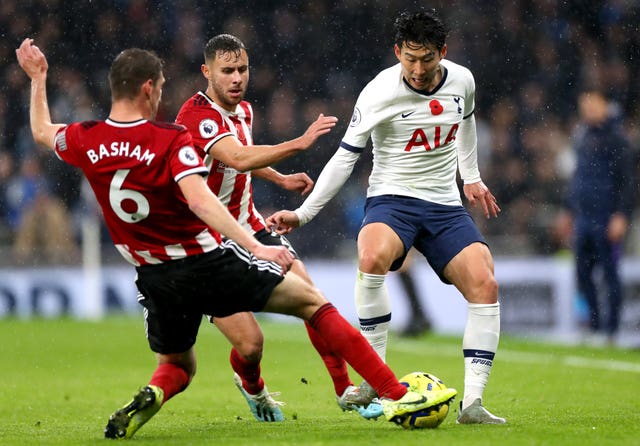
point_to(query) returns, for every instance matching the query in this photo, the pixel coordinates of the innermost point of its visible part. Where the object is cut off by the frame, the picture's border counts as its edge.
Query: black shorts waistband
(184, 261)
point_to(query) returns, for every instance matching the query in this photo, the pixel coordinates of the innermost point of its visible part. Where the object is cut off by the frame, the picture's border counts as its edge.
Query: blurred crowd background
(529, 58)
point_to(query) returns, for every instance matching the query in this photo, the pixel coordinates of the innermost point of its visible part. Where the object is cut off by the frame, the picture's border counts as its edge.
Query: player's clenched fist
(283, 222)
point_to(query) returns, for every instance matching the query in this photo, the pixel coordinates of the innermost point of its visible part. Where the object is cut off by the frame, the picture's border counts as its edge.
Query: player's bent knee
(491, 289)
(374, 262)
(486, 292)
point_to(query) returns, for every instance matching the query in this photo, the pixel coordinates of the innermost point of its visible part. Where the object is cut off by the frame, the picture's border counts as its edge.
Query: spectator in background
(599, 207)
(41, 222)
(568, 36)
(6, 173)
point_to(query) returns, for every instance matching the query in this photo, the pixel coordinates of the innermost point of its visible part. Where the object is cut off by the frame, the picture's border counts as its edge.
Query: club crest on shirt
(355, 118)
(208, 128)
(188, 156)
(457, 100)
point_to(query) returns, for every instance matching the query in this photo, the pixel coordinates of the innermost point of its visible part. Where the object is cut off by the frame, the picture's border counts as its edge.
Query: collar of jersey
(125, 124)
(445, 72)
(217, 107)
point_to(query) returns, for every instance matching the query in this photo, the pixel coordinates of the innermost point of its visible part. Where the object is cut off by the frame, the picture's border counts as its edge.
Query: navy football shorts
(439, 232)
(178, 293)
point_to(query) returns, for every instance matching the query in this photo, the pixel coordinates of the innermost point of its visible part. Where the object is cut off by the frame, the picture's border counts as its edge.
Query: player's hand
(283, 222)
(297, 182)
(479, 195)
(277, 254)
(32, 60)
(319, 127)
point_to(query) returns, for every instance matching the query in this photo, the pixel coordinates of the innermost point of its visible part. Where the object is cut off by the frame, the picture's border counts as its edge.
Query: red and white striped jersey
(208, 123)
(134, 169)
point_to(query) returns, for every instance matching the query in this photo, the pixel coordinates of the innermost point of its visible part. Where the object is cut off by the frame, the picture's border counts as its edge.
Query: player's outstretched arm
(283, 222)
(242, 158)
(209, 209)
(321, 126)
(35, 65)
(334, 174)
(296, 182)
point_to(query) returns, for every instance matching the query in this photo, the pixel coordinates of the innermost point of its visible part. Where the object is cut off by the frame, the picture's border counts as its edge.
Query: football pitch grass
(61, 379)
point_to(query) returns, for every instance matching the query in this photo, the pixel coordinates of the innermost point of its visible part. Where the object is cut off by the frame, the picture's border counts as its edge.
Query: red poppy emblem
(436, 107)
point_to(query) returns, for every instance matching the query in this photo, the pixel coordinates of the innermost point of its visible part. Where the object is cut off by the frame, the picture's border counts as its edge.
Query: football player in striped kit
(220, 122)
(419, 117)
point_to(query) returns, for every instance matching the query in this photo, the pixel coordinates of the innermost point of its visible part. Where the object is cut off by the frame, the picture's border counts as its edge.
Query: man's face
(228, 76)
(419, 63)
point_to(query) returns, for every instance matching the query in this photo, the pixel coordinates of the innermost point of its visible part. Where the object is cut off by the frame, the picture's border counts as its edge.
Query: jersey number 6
(120, 200)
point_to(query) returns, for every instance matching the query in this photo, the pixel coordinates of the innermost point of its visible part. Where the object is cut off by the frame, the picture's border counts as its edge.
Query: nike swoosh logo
(404, 115)
(422, 400)
(482, 354)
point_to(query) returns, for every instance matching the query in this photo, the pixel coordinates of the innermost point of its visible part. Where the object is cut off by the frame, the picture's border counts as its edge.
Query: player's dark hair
(420, 29)
(132, 68)
(223, 43)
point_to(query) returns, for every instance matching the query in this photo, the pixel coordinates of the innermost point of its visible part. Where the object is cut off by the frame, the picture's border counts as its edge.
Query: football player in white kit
(419, 117)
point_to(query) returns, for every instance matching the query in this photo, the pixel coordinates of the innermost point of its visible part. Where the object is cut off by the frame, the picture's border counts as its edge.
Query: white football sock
(374, 310)
(479, 345)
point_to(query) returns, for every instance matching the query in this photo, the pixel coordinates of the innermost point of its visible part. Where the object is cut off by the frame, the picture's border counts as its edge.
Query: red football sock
(248, 371)
(171, 378)
(336, 366)
(343, 339)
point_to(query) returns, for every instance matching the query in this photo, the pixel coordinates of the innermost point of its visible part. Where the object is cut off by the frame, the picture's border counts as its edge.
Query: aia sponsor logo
(420, 138)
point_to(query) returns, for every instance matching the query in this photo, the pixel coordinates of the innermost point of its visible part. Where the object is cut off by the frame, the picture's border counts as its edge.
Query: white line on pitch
(526, 357)
(411, 346)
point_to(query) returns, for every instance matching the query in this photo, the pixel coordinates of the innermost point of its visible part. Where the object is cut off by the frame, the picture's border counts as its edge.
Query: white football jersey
(413, 133)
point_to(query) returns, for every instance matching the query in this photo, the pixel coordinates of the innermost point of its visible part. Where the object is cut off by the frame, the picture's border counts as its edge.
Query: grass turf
(61, 379)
